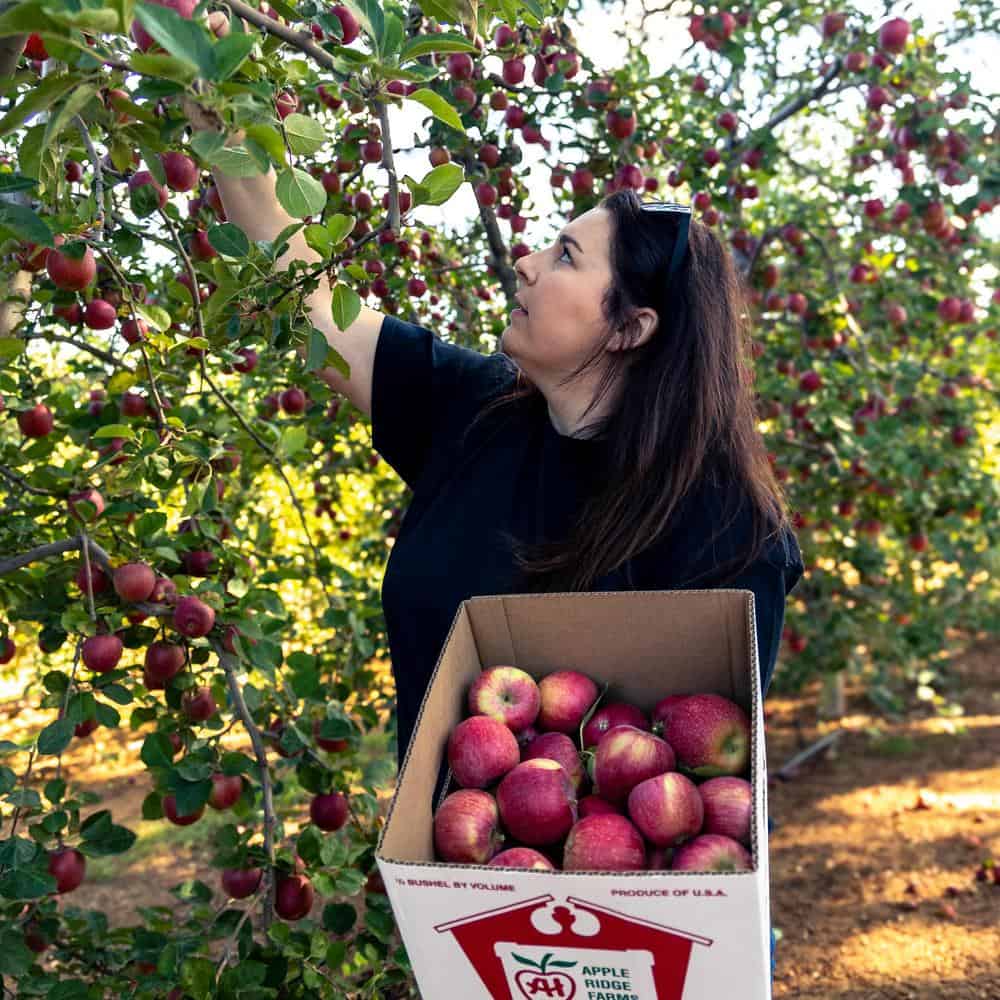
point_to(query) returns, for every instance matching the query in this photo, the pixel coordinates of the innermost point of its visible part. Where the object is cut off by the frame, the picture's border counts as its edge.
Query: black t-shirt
(516, 473)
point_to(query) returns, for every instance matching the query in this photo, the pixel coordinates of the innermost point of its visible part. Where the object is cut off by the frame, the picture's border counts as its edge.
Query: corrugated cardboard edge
(751, 624)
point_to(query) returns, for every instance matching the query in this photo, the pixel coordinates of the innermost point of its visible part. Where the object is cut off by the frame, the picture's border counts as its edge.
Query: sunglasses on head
(683, 224)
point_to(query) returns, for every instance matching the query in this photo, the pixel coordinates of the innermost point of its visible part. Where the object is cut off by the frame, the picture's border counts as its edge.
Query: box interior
(644, 644)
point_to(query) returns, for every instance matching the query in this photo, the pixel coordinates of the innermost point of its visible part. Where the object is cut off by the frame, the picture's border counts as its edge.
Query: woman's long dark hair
(685, 411)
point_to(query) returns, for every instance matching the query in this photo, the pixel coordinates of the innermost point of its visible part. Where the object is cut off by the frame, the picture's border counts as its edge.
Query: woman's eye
(565, 254)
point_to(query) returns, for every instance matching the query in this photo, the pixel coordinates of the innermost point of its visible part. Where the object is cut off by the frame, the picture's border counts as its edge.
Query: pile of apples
(550, 778)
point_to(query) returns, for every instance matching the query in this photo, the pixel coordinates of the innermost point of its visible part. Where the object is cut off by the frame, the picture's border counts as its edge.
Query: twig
(299, 40)
(98, 171)
(785, 773)
(72, 680)
(104, 356)
(27, 778)
(25, 485)
(389, 164)
(54, 549)
(228, 663)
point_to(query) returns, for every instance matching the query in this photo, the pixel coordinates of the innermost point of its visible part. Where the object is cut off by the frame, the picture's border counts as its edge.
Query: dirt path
(873, 855)
(874, 852)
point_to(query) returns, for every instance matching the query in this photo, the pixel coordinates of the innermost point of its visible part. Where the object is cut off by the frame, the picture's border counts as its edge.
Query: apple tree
(194, 524)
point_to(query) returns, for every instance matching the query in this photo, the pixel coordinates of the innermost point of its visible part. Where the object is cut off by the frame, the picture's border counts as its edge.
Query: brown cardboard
(484, 933)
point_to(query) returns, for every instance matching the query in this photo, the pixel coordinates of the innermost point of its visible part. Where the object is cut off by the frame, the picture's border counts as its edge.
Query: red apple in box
(658, 859)
(466, 827)
(481, 751)
(560, 748)
(624, 757)
(507, 694)
(521, 857)
(710, 736)
(566, 698)
(606, 843)
(728, 803)
(667, 809)
(663, 709)
(524, 738)
(711, 852)
(617, 713)
(537, 802)
(594, 805)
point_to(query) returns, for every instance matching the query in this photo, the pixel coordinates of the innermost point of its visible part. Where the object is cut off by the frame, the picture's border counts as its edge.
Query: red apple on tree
(36, 422)
(192, 617)
(134, 581)
(101, 653)
(198, 704)
(86, 505)
(180, 171)
(164, 660)
(226, 791)
(239, 883)
(71, 273)
(293, 896)
(139, 34)
(178, 819)
(329, 811)
(7, 649)
(68, 866)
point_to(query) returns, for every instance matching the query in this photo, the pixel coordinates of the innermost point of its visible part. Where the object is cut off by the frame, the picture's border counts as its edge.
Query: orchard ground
(873, 855)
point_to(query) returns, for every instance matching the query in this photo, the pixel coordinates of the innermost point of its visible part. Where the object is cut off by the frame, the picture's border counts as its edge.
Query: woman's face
(561, 287)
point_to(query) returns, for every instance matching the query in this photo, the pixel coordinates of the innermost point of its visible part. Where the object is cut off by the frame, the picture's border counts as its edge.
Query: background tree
(194, 526)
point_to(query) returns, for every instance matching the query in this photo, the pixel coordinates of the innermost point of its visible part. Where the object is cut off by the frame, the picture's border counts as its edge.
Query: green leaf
(340, 227)
(171, 68)
(438, 107)
(9, 183)
(437, 186)
(304, 135)
(269, 138)
(339, 918)
(231, 52)
(229, 240)
(318, 350)
(318, 238)
(156, 316)
(392, 36)
(185, 39)
(422, 45)
(74, 103)
(235, 161)
(293, 440)
(69, 989)
(345, 305)
(157, 751)
(299, 194)
(39, 98)
(113, 431)
(16, 958)
(207, 143)
(117, 693)
(25, 224)
(55, 737)
(370, 19)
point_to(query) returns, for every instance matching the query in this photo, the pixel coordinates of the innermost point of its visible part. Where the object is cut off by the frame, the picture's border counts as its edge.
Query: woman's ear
(645, 323)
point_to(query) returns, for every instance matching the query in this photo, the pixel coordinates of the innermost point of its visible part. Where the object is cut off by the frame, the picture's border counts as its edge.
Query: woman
(610, 443)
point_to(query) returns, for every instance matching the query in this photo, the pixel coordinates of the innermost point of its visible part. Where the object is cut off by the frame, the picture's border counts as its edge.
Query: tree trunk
(832, 699)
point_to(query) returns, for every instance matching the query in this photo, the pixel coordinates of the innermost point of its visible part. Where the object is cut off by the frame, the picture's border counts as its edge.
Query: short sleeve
(425, 393)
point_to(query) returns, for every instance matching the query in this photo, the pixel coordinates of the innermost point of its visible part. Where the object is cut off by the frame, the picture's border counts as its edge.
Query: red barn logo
(546, 949)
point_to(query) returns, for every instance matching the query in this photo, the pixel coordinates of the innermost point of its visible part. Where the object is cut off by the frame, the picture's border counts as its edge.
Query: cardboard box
(476, 932)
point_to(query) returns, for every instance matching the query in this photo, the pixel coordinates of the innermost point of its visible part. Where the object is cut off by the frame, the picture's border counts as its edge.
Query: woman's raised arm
(252, 204)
